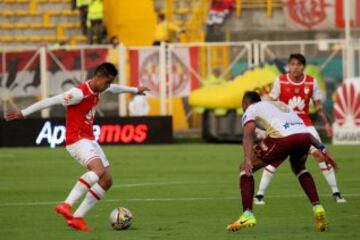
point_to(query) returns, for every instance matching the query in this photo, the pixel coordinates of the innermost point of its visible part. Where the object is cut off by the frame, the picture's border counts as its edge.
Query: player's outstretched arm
(71, 97)
(142, 90)
(15, 115)
(119, 89)
(48, 102)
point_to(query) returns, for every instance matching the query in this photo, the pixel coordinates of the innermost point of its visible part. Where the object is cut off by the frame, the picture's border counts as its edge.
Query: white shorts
(86, 150)
(315, 134)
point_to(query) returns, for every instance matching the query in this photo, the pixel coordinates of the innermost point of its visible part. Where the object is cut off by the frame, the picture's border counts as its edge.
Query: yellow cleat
(246, 220)
(321, 222)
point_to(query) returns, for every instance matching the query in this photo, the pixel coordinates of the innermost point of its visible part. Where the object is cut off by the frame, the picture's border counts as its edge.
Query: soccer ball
(121, 218)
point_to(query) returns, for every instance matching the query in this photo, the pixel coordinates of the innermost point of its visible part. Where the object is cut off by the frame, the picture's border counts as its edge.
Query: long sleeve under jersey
(72, 97)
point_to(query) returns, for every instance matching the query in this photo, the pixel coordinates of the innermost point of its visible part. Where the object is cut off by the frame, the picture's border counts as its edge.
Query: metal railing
(168, 67)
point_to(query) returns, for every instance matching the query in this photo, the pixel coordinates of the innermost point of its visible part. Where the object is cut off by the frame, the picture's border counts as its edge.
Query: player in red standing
(296, 89)
(80, 103)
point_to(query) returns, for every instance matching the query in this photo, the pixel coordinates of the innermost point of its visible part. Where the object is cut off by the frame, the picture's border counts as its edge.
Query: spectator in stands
(83, 6)
(213, 79)
(95, 22)
(218, 12)
(114, 41)
(113, 52)
(164, 29)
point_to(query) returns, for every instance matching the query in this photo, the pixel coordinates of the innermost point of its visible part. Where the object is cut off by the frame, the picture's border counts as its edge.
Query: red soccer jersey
(80, 117)
(297, 95)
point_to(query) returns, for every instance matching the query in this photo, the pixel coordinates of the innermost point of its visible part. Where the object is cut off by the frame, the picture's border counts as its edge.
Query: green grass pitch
(180, 191)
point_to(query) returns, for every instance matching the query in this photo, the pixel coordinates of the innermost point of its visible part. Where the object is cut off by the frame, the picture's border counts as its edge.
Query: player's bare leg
(247, 219)
(95, 194)
(329, 175)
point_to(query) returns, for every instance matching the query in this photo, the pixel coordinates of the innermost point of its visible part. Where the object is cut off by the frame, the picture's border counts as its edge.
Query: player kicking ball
(80, 103)
(287, 136)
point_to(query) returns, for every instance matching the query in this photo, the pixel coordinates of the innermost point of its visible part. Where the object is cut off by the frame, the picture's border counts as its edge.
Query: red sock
(309, 187)
(247, 191)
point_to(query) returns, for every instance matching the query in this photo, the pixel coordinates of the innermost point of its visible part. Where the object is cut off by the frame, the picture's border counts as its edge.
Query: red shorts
(271, 150)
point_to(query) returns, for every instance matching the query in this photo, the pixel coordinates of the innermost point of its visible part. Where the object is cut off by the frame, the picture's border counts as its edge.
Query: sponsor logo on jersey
(90, 116)
(291, 124)
(306, 90)
(297, 103)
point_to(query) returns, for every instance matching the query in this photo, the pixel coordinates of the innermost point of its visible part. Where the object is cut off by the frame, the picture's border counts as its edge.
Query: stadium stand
(30, 22)
(193, 14)
(253, 4)
(190, 15)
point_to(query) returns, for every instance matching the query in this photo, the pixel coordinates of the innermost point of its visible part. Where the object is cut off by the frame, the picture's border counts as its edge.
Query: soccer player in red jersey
(80, 103)
(296, 89)
(287, 136)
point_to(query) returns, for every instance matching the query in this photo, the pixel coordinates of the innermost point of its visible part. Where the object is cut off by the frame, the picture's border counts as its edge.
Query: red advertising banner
(144, 68)
(319, 14)
(309, 14)
(354, 14)
(20, 72)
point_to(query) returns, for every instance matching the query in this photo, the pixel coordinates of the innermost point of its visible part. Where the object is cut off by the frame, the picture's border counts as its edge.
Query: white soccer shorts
(86, 150)
(315, 134)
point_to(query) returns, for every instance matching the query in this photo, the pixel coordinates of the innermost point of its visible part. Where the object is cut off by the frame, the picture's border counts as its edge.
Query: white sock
(266, 177)
(82, 186)
(95, 194)
(329, 175)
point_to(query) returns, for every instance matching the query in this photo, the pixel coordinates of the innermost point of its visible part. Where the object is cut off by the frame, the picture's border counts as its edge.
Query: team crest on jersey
(296, 103)
(306, 90)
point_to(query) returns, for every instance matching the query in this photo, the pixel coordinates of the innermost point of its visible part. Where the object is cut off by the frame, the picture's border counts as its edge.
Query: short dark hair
(106, 69)
(299, 57)
(252, 96)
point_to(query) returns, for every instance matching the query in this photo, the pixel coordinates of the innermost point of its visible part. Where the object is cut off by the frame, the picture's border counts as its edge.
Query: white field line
(132, 185)
(7, 155)
(181, 199)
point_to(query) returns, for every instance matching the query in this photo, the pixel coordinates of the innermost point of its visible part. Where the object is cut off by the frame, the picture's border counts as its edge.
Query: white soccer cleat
(259, 200)
(338, 198)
